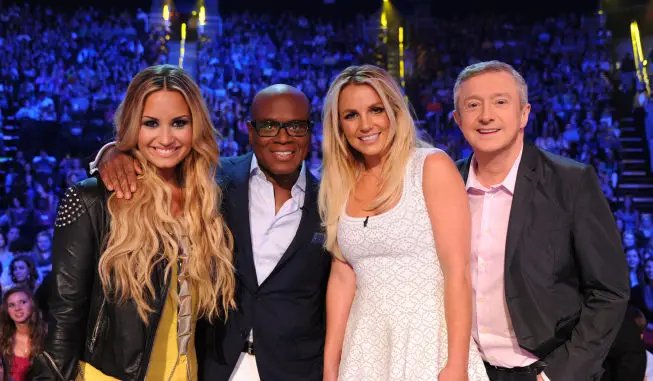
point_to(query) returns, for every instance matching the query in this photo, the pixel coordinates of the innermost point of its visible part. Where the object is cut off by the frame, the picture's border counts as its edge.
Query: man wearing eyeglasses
(270, 205)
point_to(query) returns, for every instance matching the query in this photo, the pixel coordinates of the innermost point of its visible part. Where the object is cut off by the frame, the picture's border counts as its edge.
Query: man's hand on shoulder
(118, 171)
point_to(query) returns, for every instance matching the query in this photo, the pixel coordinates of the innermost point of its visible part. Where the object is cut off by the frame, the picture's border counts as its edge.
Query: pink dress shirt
(491, 325)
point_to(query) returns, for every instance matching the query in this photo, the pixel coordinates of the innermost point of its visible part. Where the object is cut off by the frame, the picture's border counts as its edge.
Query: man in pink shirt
(549, 274)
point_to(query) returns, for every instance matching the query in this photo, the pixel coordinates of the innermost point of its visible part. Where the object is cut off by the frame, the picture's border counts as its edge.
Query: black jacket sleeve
(604, 283)
(74, 263)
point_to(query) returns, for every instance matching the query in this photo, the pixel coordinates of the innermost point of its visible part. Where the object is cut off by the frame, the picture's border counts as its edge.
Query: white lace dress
(396, 329)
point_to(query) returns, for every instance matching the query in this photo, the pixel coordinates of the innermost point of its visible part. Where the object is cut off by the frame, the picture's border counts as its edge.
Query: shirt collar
(255, 170)
(508, 183)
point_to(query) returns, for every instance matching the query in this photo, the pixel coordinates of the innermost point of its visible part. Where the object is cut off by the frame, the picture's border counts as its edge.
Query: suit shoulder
(563, 164)
(230, 164)
(233, 168)
(461, 163)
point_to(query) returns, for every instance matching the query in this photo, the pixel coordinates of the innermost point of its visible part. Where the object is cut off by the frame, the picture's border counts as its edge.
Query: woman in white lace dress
(397, 221)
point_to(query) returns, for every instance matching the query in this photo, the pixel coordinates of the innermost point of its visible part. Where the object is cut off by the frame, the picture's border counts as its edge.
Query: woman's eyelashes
(180, 123)
(350, 115)
(150, 123)
(177, 123)
(374, 110)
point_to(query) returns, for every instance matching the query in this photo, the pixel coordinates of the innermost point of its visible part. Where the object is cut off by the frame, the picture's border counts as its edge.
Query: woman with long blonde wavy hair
(132, 277)
(397, 223)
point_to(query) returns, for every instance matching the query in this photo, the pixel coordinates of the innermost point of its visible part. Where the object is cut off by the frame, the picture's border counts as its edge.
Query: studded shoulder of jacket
(70, 208)
(78, 199)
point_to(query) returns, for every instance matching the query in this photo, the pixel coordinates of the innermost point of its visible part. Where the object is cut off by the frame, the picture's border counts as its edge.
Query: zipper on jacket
(54, 366)
(96, 330)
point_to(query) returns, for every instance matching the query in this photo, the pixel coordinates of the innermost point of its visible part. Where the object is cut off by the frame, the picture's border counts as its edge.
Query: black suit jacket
(566, 277)
(287, 311)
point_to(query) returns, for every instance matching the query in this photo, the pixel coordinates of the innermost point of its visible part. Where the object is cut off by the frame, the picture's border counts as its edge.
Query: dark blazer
(566, 276)
(287, 311)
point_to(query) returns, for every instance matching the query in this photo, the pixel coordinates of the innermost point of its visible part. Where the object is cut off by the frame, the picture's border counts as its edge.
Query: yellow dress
(166, 362)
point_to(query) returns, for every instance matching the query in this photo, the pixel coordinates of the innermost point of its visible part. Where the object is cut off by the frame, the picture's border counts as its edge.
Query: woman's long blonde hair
(144, 232)
(342, 164)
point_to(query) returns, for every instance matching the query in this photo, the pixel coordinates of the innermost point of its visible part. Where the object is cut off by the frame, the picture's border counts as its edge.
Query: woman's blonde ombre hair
(143, 231)
(341, 164)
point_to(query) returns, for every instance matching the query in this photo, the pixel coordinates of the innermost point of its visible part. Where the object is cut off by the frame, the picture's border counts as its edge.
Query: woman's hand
(453, 373)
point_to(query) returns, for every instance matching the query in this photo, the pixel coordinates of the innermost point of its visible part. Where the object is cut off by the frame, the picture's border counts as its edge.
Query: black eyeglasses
(270, 128)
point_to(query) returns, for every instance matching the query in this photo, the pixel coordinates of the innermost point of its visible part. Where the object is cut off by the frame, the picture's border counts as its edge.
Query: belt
(537, 367)
(249, 348)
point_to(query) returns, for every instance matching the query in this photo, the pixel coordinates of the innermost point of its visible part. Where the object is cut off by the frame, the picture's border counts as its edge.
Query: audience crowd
(70, 70)
(63, 75)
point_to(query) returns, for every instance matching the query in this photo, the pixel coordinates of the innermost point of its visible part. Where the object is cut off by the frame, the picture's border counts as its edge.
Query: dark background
(344, 8)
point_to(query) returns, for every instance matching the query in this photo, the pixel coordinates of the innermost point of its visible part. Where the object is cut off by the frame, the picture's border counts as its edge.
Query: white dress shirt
(272, 232)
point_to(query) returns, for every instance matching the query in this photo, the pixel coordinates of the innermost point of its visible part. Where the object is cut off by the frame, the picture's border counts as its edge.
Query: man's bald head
(280, 94)
(281, 156)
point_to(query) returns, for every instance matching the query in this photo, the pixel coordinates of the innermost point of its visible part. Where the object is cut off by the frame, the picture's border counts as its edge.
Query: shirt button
(481, 299)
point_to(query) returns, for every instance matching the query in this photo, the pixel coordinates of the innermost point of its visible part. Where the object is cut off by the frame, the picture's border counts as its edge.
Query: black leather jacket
(85, 326)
